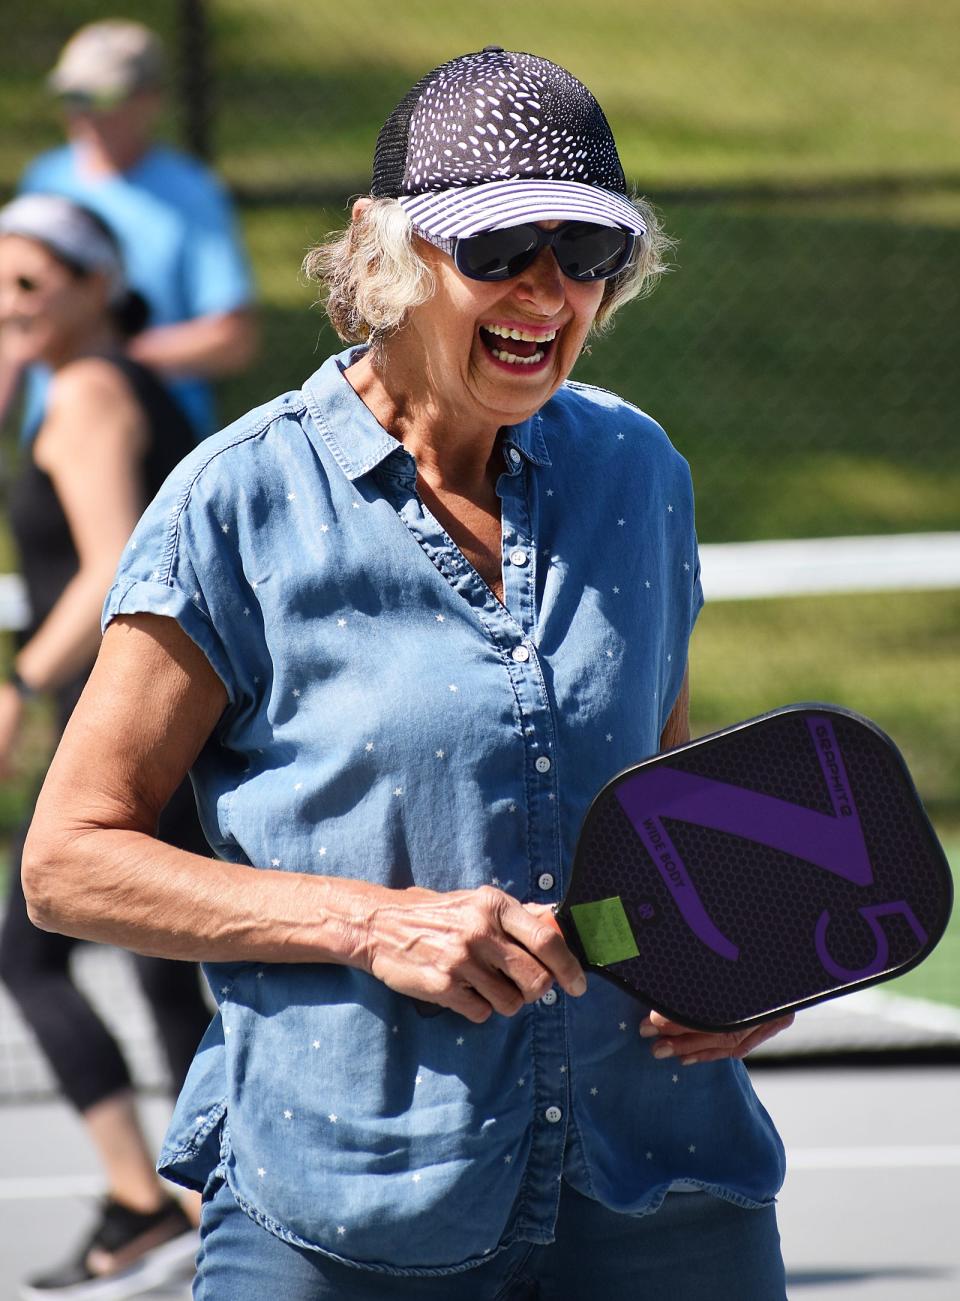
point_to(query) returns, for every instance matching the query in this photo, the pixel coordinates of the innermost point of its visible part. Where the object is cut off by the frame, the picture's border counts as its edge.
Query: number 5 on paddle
(759, 870)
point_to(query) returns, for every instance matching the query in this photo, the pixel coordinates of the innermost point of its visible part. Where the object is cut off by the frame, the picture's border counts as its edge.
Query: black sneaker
(126, 1254)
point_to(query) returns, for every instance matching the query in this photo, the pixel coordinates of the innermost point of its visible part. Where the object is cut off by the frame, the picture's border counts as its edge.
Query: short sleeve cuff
(143, 597)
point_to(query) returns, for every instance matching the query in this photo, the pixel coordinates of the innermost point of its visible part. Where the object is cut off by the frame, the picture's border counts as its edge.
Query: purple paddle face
(758, 870)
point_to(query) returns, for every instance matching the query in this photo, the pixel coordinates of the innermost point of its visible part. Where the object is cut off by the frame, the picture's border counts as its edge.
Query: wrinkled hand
(473, 951)
(690, 1046)
(11, 715)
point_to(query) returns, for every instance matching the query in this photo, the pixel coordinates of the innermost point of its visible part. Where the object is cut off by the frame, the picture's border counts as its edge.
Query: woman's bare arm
(677, 728)
(92, 867)
(91, 445)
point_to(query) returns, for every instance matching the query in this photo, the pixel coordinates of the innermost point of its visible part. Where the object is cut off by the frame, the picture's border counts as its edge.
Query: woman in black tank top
(110, 435)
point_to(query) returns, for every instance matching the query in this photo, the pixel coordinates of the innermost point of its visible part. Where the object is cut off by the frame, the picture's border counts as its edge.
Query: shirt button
(518, 557)
(545, 880)
(553, 1114)
(514, 456)
(542, 764)
(520, 654)
(549, 998)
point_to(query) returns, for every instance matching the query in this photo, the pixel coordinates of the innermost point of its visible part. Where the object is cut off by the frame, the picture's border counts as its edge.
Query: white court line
(41, 1187)
(872, 1158)
(50, 1187)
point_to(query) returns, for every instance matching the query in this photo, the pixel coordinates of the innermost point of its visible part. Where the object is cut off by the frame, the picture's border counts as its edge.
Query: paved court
(869, 1211)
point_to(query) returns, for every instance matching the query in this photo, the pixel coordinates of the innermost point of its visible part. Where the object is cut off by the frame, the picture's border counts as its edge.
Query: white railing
(736, 571)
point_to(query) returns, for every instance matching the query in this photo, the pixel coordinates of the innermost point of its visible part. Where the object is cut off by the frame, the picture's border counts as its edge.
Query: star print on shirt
(669, 510)
(260, 1171)
(341, 1230)
(274, 862)
(368, 747)
(321, 852)
(441, 618)
(621, 522)
(460, 1041)
(549, 492)
(620, 437)
(398, 791)
(332, 1118)
(296, 693)
(454, 688)
(224, 528)
(416, 1177)
(291, 496)
(341, 623)
(440, 754)
(288, 1115)
(594, 1092)
(692, 1148)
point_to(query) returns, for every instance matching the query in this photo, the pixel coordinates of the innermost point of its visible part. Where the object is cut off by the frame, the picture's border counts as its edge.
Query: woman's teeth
(508, 332)
(525, 358)
(518, 361)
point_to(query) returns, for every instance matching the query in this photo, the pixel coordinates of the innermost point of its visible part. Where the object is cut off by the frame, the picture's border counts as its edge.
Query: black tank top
(48, 557)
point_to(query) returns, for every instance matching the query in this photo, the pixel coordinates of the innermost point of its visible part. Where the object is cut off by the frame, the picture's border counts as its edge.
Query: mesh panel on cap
(492, 116)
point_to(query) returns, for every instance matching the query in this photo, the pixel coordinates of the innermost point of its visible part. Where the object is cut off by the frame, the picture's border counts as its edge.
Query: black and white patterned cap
(497, 138)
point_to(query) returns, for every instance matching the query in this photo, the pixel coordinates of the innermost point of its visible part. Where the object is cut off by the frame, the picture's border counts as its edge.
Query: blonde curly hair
(371, 274)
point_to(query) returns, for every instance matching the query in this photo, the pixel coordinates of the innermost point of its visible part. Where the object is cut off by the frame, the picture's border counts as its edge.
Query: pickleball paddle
(761, 869)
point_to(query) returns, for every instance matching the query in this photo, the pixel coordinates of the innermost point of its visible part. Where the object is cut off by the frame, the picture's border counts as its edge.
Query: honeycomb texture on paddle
(764, 900)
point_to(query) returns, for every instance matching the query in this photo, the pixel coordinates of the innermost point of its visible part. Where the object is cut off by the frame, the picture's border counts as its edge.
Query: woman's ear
(360, 207)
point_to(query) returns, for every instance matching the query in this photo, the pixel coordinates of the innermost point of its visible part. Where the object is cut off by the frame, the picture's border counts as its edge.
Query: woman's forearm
(127, 888)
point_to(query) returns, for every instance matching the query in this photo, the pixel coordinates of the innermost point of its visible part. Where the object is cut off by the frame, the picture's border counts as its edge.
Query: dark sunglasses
(583, 251)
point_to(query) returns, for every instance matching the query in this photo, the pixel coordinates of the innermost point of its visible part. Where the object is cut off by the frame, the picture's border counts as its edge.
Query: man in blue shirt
(180, 241)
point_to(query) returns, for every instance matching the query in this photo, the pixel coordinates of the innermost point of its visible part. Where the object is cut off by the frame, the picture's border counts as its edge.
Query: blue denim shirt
(389, 719)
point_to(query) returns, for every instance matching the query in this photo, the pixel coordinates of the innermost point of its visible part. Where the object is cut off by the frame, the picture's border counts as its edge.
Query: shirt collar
(359, 443)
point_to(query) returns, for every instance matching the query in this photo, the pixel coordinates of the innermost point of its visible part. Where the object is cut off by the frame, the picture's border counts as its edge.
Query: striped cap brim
(467, 210)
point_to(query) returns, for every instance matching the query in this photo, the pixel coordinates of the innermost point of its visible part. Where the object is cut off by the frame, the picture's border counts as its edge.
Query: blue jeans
(695, 1248)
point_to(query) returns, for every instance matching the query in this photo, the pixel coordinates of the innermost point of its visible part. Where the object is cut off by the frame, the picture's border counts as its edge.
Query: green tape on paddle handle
(604, 931)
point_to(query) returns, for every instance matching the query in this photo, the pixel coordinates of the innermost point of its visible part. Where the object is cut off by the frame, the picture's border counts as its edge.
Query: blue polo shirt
(390, 719)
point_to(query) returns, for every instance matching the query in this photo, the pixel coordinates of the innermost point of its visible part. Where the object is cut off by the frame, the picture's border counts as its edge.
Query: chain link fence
(802, 351)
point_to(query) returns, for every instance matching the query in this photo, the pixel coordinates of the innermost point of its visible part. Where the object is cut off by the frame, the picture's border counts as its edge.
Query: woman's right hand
(473, 951)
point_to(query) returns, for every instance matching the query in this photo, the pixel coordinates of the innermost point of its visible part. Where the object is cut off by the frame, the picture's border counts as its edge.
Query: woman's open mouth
(513, 347)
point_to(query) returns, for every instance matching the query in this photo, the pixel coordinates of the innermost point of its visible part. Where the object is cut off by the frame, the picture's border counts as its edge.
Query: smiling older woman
(400, 626)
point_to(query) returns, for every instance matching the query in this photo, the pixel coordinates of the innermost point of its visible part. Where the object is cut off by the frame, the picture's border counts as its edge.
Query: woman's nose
(542, 283)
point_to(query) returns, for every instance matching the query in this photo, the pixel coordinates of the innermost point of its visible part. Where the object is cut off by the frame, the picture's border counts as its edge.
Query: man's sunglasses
(583, 251)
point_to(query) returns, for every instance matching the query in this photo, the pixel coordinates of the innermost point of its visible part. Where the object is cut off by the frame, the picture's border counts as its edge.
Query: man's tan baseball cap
(106, 62)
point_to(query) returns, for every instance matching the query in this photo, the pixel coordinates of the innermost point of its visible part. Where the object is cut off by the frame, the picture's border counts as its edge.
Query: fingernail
(689, 1061)
(663, 1050)
(579, 986)
(648, 1030)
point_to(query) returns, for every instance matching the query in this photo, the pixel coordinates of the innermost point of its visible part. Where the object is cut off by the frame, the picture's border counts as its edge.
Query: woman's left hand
(690, 1046)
